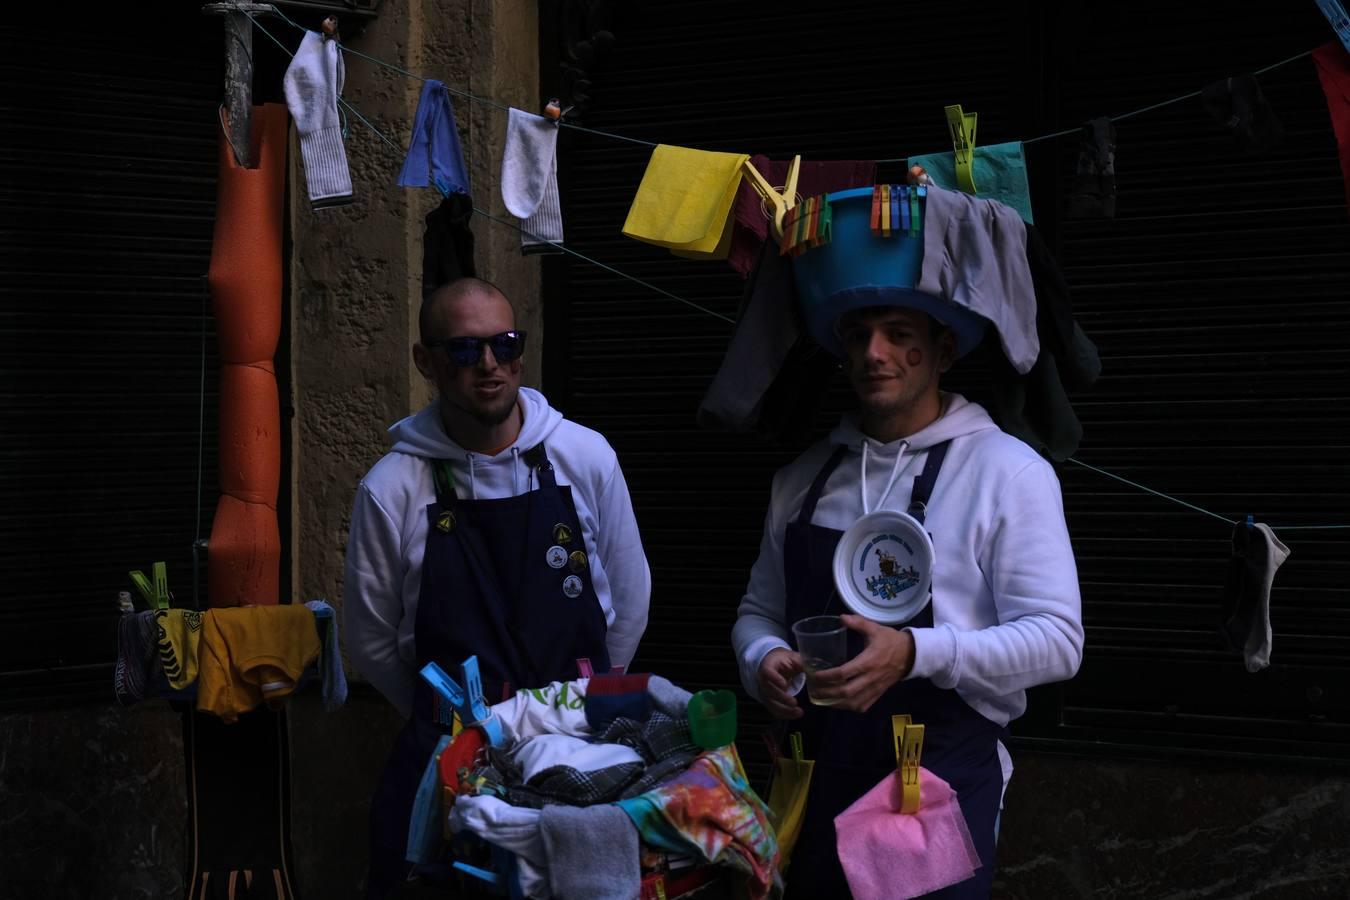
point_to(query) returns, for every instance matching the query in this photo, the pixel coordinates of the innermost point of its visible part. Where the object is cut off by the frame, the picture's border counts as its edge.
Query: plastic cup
(822, 643)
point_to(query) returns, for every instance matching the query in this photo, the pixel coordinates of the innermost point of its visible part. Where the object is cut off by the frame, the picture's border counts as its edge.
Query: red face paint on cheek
(914, 357)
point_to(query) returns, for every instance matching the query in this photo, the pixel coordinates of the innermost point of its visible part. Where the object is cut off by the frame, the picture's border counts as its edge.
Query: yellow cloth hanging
(179, 632)
(787, 798)
(685, 201)
(251, 654)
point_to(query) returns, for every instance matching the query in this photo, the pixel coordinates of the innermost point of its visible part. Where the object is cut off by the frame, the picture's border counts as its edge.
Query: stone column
(355, 290)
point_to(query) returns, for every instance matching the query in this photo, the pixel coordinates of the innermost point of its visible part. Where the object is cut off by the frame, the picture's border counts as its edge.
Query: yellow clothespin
(962, 126)
(908, 750)
(778, 203)
(156, 596)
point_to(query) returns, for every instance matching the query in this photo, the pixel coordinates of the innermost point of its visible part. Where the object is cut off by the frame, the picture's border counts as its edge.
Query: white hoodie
(389, 533)
(1006, 611)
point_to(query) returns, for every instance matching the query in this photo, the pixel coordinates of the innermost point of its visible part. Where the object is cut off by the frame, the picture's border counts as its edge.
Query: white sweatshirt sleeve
(625, 565)
(1028, 563)
(372, 604)
(761, 619)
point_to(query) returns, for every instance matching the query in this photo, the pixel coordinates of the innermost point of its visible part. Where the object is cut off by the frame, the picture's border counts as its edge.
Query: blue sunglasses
(466, 351)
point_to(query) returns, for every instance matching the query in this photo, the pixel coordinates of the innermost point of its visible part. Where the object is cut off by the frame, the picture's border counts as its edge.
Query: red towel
(751, 228)
(1333, 68)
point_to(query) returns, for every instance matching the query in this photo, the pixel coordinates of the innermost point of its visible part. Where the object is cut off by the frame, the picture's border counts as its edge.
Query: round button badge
(572, 586)
(556, 557)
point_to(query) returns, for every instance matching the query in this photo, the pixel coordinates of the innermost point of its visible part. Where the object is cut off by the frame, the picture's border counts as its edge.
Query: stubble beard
(490, 416)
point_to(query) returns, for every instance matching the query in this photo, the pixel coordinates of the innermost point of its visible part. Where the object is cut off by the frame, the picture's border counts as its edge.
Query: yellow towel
(178, 632)
(250, 654)
(685, 201)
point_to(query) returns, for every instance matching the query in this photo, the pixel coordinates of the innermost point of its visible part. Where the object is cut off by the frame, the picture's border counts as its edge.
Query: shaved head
(437, 315)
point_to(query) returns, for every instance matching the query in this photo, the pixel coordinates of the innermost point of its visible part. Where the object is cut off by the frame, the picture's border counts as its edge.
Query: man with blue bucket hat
(899, 305)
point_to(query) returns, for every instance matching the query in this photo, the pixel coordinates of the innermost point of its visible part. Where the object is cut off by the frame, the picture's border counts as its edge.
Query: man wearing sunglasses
(494, 528)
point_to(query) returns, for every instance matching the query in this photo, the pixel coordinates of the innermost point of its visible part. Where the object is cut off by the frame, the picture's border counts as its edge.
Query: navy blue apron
(507, 580)
(855, 751)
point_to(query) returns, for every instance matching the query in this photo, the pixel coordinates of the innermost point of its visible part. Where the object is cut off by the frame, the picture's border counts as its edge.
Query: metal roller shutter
(107, 181)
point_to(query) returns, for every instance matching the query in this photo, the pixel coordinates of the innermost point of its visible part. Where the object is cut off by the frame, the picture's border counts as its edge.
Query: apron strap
(537, 458)
(444, 481)
(923, 485)
(818, 486)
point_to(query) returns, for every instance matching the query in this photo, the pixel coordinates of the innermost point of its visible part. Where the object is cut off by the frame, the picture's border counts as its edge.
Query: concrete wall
(356, 286)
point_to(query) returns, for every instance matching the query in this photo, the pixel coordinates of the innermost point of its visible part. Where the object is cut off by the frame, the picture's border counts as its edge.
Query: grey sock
(592, 852)
(669, 699)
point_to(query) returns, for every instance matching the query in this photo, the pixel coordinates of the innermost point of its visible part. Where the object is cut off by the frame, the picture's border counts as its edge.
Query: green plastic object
(712, 718)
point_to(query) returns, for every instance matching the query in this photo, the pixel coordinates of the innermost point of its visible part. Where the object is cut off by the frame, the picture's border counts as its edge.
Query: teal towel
(1000, 174)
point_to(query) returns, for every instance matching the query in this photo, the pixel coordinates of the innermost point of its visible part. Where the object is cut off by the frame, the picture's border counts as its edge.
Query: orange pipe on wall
(244, 551)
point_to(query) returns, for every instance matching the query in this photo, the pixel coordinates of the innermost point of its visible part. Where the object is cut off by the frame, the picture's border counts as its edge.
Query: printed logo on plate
(572, 586)
(887, 562)
(556, 556)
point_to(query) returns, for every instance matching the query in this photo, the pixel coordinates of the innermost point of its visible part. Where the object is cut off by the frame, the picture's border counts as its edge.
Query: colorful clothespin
(962, 126)
(876, 209)
(916, 209)
(156, 595)
(779, 203)
(1250, 522)
(584, 669)
(826, 230)
(900, 210)
(789, 228)
(795, 740)
(467, 702)
(908, 749)
(885, 210)
(330, 29)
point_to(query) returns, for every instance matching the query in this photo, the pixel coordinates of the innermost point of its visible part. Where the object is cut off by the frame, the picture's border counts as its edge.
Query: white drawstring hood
(890, 482)
(478, 475)
(389, 530)
(1006, 606)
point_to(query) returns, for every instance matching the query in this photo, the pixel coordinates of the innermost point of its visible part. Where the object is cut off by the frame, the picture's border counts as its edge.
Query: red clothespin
(584, 669)
(789, 230)
(770, 744)
(876, 209)
(330, 29)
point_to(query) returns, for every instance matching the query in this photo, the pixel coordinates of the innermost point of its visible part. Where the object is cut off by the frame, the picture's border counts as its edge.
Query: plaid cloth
(663, 743)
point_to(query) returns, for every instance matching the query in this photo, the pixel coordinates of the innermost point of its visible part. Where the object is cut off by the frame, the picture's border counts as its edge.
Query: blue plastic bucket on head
(858, 269)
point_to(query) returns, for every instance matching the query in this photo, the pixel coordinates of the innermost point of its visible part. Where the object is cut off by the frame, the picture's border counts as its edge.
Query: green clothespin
(156, 595)
(962, 126)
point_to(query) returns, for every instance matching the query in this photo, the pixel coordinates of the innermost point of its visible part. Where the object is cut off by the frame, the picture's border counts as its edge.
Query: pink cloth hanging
(888, 854)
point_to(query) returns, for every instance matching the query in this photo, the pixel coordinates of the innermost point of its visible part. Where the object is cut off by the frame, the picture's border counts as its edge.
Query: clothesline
(620, 137)
(384, 138)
